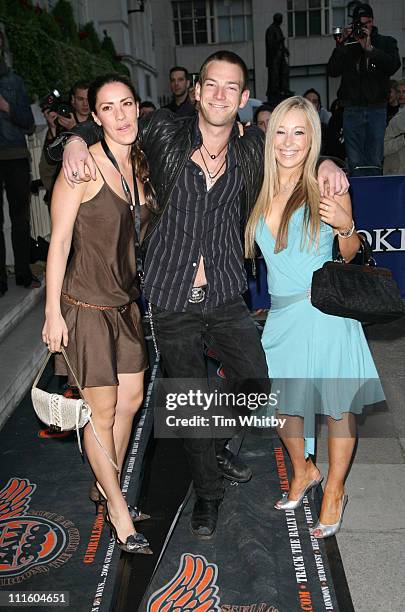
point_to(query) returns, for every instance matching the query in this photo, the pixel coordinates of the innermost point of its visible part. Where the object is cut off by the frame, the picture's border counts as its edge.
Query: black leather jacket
(166, 141)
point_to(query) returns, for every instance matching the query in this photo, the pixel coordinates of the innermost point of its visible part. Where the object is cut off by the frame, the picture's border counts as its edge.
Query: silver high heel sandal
(291, 504)
(329, 530)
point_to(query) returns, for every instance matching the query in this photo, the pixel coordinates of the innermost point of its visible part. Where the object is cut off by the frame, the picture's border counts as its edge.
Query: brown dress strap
(97, 166)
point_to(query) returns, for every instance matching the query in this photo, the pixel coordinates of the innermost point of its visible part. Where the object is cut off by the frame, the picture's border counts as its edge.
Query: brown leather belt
(71, 300)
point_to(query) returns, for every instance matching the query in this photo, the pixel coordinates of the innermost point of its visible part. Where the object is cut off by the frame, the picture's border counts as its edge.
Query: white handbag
(62, 413)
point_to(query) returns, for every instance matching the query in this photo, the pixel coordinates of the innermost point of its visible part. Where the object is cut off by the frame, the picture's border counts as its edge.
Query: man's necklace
(212, 175)
(218, 154)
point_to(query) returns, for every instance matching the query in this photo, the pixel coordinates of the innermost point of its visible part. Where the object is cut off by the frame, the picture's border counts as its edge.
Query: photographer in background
(16, 120)
(60, 117)
(365, 60)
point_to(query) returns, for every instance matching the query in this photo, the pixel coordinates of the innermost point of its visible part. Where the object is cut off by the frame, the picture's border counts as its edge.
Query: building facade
(187, 31)
(129, 25)
(151, 36)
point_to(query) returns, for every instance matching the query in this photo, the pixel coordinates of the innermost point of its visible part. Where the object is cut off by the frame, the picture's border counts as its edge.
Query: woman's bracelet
(74, 139)
(346, 233)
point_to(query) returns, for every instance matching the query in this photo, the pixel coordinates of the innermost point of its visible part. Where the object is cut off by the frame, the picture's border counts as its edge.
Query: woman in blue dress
(322, 363)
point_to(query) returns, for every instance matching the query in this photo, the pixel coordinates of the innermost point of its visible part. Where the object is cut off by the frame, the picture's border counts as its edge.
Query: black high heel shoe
(136, 543)
(96, 497)
(98, 500)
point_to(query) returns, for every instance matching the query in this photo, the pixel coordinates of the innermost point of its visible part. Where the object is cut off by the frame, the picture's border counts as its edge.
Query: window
(234, 20)
(148, 85)
(342, 12)
(193, 22)
(212, 21)
(308, 17)
(252, 83)
(314, 75)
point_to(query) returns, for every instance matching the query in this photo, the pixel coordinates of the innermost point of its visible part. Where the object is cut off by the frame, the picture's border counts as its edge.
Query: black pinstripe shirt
(198, 223)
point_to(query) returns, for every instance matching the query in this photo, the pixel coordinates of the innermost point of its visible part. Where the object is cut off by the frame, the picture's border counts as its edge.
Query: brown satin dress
(102, 272)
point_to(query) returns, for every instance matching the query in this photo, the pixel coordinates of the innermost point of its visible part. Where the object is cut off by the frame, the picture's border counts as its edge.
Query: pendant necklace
(212, 175)
(288, 186)
(218, 154)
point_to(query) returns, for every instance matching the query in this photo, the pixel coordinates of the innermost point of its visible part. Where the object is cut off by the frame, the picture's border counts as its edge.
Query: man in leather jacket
(365, 60)
(206, 176)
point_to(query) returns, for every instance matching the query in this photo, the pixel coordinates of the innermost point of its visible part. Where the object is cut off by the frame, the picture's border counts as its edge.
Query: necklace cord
(211, 175)
(135, 210)
(218, 154)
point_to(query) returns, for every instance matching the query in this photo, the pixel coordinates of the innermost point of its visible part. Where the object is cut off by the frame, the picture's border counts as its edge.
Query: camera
(357, 30)
(357, 33)
(337, 32)
(53, 102)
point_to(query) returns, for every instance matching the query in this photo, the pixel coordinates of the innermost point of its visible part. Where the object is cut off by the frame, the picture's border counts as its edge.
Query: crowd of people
(210, 176)
(364, 127)
(178, 184)
(359, 128)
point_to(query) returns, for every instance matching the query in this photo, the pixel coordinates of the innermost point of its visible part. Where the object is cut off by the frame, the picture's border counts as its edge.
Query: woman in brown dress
(90, 306)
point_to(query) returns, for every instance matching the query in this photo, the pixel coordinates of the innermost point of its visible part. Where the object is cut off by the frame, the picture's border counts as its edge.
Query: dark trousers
(230, 331)
(15, 179)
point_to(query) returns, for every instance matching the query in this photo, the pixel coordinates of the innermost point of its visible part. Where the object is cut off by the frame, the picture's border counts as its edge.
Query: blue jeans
(364, 130)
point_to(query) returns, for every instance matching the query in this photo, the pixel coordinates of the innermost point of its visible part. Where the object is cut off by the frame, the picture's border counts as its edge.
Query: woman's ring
(75, 173)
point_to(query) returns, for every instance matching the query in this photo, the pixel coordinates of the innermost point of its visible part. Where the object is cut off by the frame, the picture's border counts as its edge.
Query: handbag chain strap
(97, 437)
(41, 371)
(152, 329)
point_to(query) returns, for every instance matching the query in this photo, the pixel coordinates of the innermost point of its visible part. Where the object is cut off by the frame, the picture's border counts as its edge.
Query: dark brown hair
(231, 58)
(138, 156)
(179, 69)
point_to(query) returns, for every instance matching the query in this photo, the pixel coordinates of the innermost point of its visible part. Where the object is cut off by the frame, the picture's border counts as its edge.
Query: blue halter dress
(320, 363)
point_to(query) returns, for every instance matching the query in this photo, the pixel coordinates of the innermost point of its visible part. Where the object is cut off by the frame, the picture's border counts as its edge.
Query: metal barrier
(40, 221)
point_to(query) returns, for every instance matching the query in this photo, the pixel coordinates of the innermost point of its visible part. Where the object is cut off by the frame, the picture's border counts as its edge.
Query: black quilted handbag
(364, 292)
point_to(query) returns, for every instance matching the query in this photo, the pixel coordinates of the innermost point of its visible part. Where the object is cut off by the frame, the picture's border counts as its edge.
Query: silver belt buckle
(197, 295)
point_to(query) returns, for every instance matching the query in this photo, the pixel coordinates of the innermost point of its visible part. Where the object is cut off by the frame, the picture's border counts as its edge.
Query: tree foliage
(47, 49)
(63, 15)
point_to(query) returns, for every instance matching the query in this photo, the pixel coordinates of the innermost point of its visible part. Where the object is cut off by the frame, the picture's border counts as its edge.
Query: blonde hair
(306, 190)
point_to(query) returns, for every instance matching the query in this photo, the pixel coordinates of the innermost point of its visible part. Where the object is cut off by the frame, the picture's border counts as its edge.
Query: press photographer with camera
(365, 60)
(60, 116)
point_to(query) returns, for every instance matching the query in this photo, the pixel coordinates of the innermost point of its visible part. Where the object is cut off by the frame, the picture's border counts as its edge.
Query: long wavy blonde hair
(306, 191)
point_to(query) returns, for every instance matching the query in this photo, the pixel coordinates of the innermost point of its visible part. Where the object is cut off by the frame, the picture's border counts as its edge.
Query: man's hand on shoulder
(331, 179)
(78, 164)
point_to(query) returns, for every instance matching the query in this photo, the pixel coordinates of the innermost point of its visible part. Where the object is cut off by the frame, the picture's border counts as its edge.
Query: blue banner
(379, 212)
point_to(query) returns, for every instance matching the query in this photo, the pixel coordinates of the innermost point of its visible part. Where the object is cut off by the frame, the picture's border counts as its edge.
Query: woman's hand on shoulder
(336, 211)
(54, 332)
